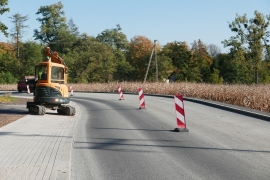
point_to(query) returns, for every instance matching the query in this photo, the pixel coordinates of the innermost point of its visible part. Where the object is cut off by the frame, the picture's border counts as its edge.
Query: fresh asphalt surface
(114, 139)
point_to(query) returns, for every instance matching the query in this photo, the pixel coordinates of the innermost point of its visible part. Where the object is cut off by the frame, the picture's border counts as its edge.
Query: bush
(7, 78)
(215, 77)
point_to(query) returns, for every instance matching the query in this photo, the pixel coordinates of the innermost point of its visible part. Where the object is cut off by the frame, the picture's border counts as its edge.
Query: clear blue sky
(165, 21)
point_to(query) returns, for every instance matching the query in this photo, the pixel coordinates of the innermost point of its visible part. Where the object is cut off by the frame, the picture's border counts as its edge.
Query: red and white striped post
(180, 114)
(121, 96)
(28, 90)
(141, 98)
(71, 90)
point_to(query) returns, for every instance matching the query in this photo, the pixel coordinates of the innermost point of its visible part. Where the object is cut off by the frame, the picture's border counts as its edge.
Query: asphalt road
(114, 139)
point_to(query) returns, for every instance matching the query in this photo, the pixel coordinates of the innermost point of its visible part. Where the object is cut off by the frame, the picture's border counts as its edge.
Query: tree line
(111, 57)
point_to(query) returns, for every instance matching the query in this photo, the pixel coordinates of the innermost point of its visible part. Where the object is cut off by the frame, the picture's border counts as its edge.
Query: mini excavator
(51, 91)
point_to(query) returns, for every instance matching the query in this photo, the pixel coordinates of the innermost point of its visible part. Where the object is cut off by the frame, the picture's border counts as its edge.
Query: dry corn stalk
(253, 96)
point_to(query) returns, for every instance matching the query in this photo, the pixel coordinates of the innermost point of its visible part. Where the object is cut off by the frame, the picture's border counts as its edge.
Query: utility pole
(156, 62)
(154, 49)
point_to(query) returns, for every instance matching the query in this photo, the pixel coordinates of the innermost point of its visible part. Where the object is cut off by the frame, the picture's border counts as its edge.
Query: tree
(54, 30)
(115, 38)
(233, 67)
(73, 28)
(165, 66)
(31, 55)
(223, 66)
(180, 54)
(17, 33)
(123, 68)
(213, 50)
(5, 47)
(3, 9)
(71, 38)
(267, 46)
(138, 56)
(9, 64)
(201, 59)
(91, 61)
(7, 78)
(250, 34)
(215, 77)
(119, 43)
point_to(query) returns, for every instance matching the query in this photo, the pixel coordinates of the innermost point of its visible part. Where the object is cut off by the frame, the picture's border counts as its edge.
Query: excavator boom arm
(54, 56)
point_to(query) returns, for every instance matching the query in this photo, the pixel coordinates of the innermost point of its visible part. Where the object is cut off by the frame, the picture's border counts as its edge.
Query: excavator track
(37, 109)
(70, 111)
(66, 110)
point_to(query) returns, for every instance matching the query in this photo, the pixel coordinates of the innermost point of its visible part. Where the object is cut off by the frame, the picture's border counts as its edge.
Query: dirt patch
(12, 111)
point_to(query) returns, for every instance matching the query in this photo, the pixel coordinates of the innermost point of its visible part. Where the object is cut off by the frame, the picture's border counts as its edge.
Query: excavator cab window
(57, 75)
(42, 72)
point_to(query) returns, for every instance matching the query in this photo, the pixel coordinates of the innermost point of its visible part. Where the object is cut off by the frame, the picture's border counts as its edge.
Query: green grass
(7, 98)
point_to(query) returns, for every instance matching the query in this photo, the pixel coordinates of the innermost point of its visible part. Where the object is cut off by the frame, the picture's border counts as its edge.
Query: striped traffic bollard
(28, 90)
(141, 98)
(121, 96)
(180, 114)
(71, 90)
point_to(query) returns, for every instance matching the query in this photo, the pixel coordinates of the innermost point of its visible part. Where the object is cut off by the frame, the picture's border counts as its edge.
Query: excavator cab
(57, 74)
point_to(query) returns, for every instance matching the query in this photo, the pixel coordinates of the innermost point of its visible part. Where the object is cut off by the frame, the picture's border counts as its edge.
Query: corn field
(250, 96)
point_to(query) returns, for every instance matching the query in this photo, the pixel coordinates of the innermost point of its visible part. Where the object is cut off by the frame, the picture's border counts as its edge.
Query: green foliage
(264, 73)
(31, 55)
(7, 98)
(54, 30)
(8, 63)
(3, 9)
(201, 59)
(234, 68)
(52, 23)
(123, 68)
(92, 61)
(180, 54)
(165, 67)
(250, 42)
(117, 40)
(7, 78)
(222, 63)
(114, 38)
(11, 67)
(138, 56)
(215, 77)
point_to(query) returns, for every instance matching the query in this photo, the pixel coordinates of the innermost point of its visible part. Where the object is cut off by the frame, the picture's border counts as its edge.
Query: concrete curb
(64, 170)
(228, 107)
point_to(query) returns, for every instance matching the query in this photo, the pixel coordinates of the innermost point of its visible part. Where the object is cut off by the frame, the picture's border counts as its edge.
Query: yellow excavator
(51, 91)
